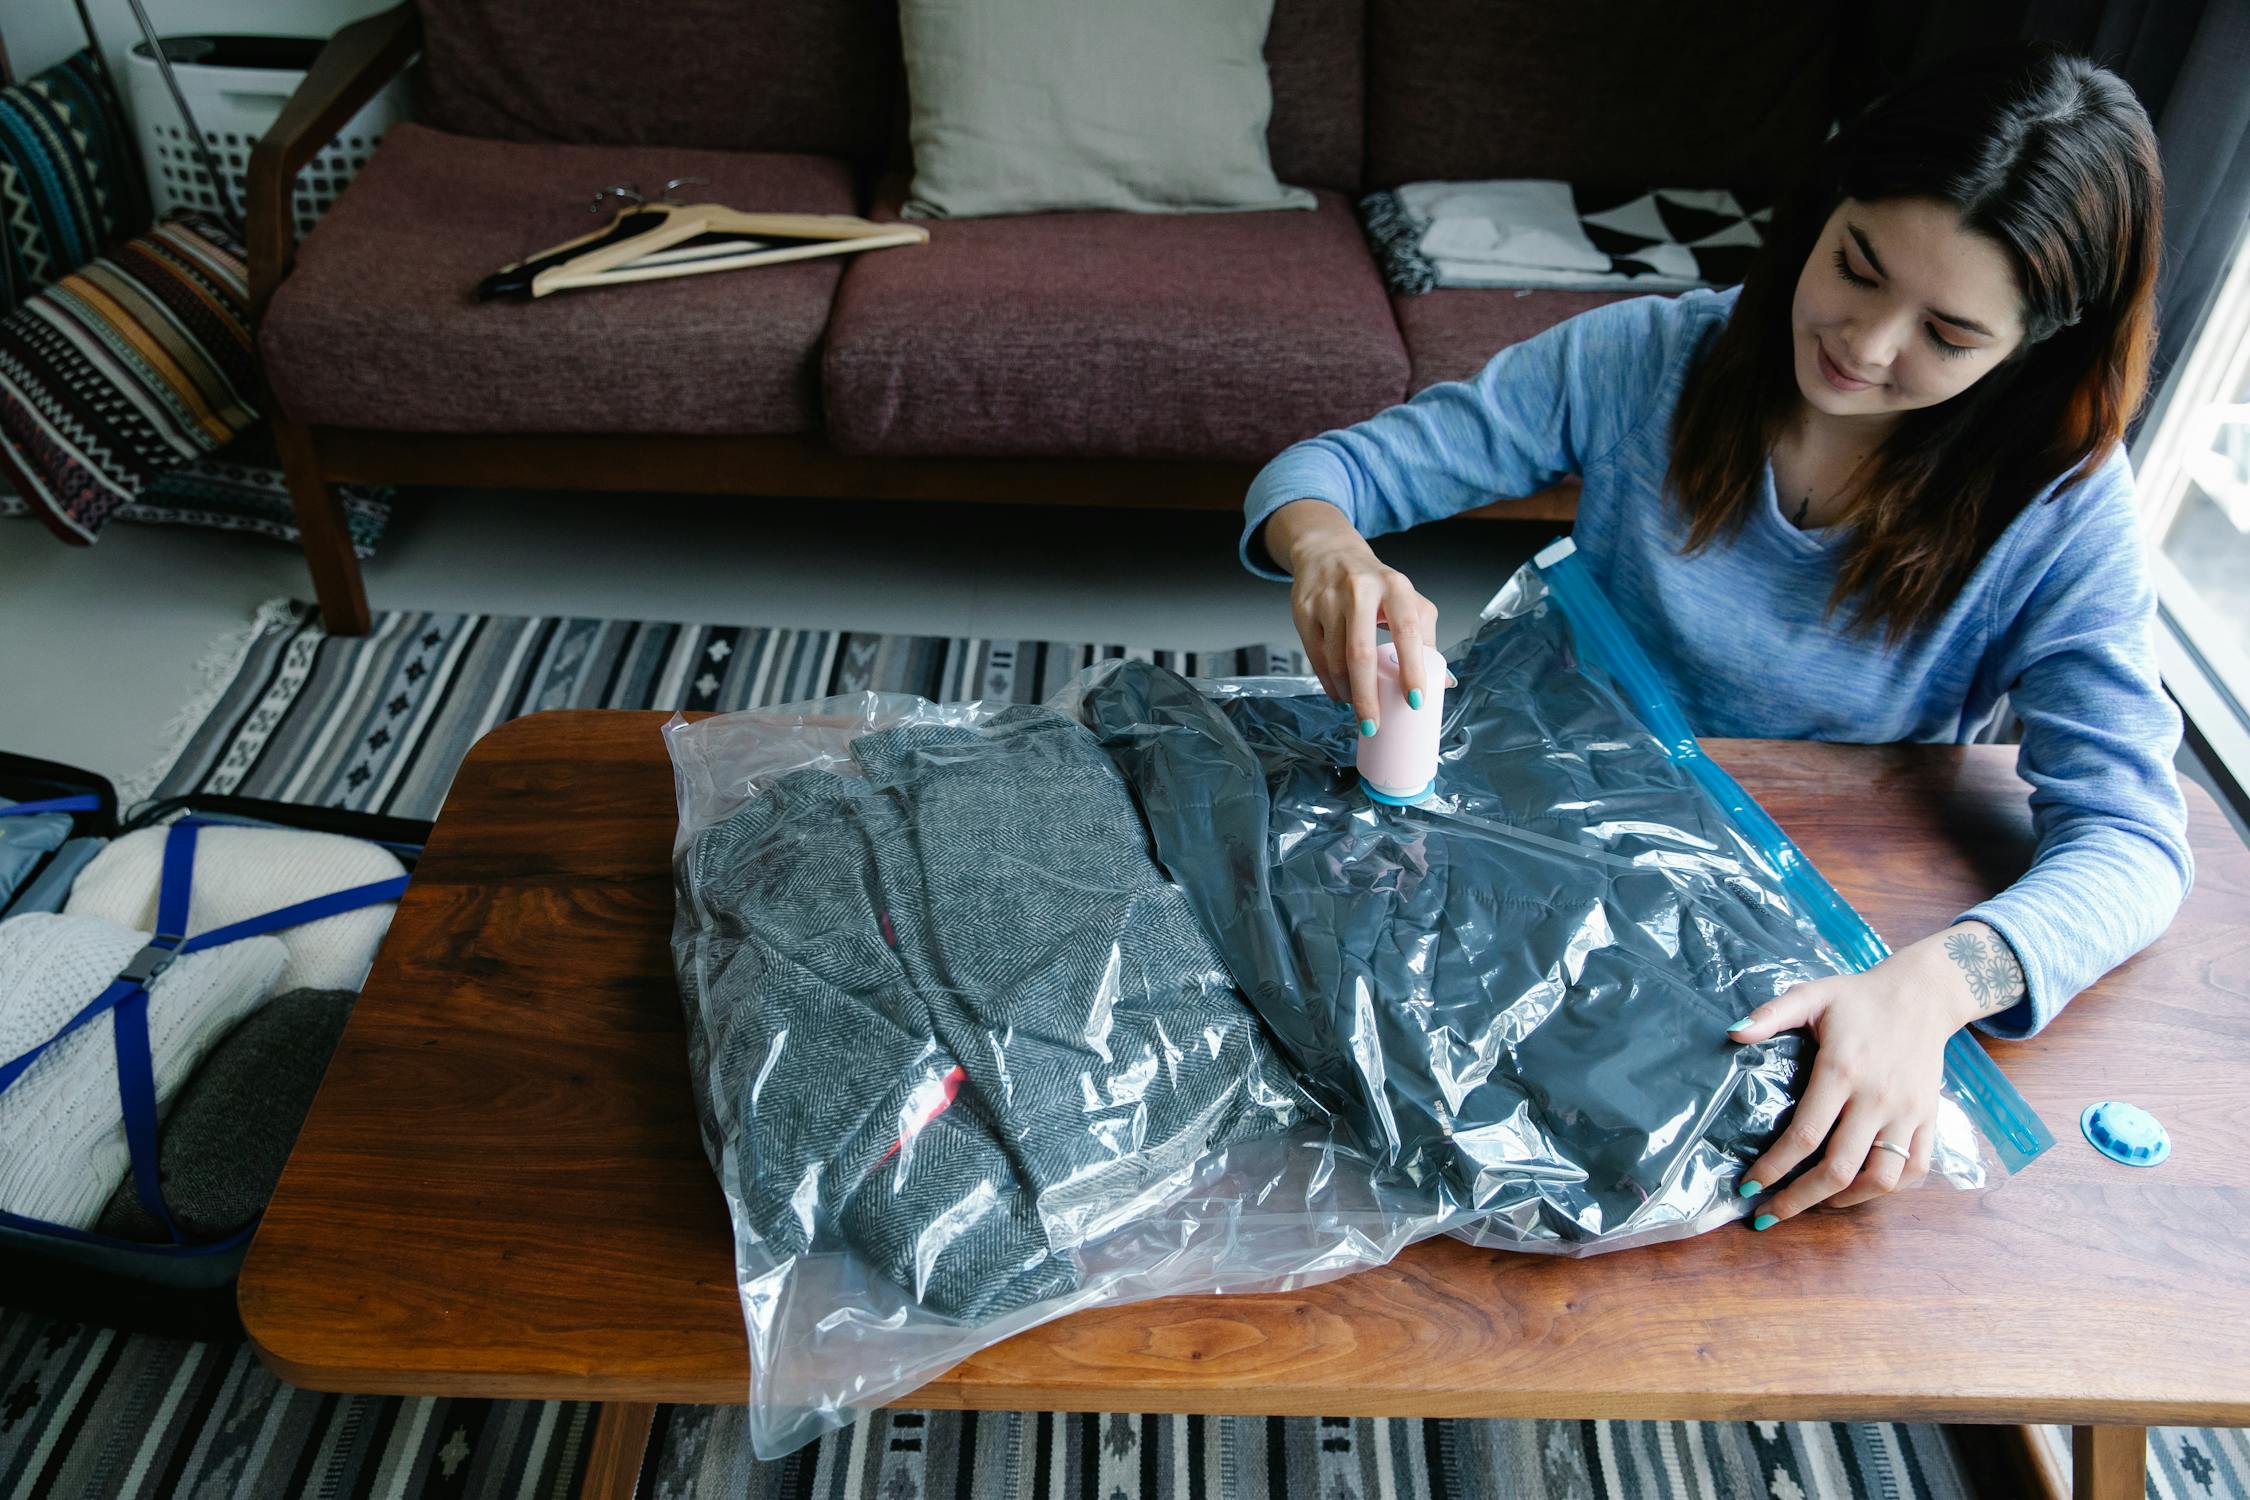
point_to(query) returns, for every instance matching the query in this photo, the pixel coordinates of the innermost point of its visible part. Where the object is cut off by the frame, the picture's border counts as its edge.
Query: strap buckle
(141, 970)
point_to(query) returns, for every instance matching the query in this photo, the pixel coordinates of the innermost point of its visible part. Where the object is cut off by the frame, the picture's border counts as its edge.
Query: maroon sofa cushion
(1596, 92)
(375, 326)
(1194, 336)
(747, 75)
(1314, 60)
(1452, 332)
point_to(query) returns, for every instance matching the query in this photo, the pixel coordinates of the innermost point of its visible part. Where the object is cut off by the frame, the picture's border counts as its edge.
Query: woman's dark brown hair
(2053, 159)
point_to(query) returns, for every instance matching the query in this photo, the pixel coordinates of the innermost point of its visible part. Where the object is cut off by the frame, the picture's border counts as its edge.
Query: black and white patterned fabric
(1562, 236)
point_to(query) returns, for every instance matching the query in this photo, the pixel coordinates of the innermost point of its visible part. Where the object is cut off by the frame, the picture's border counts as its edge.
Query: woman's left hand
(1881, 1061)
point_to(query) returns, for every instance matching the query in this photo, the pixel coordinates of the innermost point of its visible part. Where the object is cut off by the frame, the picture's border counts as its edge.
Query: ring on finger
(1892, 1146)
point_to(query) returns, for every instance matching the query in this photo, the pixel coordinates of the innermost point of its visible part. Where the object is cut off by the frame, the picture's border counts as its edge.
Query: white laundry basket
(236, 85)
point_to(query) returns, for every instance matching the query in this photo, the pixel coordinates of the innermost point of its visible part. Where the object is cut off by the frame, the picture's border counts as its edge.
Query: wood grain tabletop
(500, 1190)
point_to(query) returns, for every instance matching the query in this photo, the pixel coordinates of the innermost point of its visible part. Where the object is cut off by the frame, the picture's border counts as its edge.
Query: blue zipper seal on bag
(2006, 1118)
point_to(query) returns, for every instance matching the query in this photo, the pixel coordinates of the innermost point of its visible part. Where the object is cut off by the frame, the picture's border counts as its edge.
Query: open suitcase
(185, 1287)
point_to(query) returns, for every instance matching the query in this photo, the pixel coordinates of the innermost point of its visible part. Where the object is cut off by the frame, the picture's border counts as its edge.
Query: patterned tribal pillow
(130, 367)
(67, 185)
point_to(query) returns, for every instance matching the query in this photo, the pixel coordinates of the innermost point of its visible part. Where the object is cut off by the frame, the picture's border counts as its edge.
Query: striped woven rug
(379, 724)
(96, 1415)
(109, 1416)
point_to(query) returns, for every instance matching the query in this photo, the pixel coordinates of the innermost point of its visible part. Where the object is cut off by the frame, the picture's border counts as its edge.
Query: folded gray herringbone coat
(962, 1020)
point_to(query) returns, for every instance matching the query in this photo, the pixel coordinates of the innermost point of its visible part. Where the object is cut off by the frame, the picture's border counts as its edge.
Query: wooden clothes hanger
(653, 241)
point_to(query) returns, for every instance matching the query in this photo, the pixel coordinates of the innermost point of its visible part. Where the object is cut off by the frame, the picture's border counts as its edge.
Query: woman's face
(1899, 307)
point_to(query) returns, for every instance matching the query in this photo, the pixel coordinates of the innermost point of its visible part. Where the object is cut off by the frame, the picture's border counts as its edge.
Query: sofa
(1135, 360)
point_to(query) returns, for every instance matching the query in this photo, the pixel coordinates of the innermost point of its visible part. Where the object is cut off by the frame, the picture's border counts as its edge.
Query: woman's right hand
(1341, 593)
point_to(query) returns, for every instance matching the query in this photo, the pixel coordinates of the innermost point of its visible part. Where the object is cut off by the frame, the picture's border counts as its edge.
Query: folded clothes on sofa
(62, 1134)
(243, 872)
(962, 1024)
(223, 1145)
(1525, 233)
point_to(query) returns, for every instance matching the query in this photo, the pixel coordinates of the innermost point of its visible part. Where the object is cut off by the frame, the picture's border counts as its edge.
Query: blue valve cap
(2125, 1132)
(1390, 799)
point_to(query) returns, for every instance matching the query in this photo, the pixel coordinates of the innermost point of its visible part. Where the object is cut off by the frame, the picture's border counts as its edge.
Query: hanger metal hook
(679, 182)
(630, 192)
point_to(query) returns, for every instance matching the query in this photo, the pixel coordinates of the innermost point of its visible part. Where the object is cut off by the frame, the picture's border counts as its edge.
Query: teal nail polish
(1413, 697)
(1367, 728)
(1751, 1187)
(1764, 1221)
(1737, 1026)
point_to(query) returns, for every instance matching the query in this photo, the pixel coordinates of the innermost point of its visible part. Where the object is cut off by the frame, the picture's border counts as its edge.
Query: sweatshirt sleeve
(2079, 666)
(1539, 409)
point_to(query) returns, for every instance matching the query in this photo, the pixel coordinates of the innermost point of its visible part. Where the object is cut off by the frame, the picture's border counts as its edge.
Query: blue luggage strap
(84, 802)
(126, 1002)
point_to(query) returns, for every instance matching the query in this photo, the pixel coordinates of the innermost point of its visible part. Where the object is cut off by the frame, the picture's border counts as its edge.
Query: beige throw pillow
(1151, 106)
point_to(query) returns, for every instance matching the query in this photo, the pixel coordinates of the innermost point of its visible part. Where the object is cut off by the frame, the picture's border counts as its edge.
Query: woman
(1869, 496)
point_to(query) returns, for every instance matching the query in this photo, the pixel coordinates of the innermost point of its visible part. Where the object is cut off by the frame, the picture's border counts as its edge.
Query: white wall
(41, 33)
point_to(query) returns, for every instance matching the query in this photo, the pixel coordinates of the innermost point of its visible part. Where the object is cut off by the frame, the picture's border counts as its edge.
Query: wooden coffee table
(500, 1191)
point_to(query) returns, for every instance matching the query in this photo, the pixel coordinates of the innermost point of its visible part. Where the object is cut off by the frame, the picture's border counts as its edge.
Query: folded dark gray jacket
(961, 1019)
(1519, 992)
(221, 1148)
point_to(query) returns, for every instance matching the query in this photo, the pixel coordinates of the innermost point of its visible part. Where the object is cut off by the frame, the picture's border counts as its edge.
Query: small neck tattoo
(1804, 508)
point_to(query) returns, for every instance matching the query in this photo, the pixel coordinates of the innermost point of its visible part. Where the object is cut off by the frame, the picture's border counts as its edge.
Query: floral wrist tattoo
(1995, 978)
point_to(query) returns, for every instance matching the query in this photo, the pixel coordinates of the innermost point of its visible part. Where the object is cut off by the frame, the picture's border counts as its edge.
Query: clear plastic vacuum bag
(996, 1012)
(1516, 991)
(965, 1058)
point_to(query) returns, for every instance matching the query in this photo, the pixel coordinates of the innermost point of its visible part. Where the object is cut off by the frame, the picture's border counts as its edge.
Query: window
(2194, 474)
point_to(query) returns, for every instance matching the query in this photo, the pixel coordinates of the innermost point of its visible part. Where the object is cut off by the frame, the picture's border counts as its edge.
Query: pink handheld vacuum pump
(1398, 763)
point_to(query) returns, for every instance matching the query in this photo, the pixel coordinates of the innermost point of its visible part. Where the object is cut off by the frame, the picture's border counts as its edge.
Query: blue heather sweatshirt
(2057, 618)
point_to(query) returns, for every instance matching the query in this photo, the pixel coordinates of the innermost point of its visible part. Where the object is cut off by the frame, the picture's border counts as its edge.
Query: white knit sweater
(62, 1129)
(245, 872)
